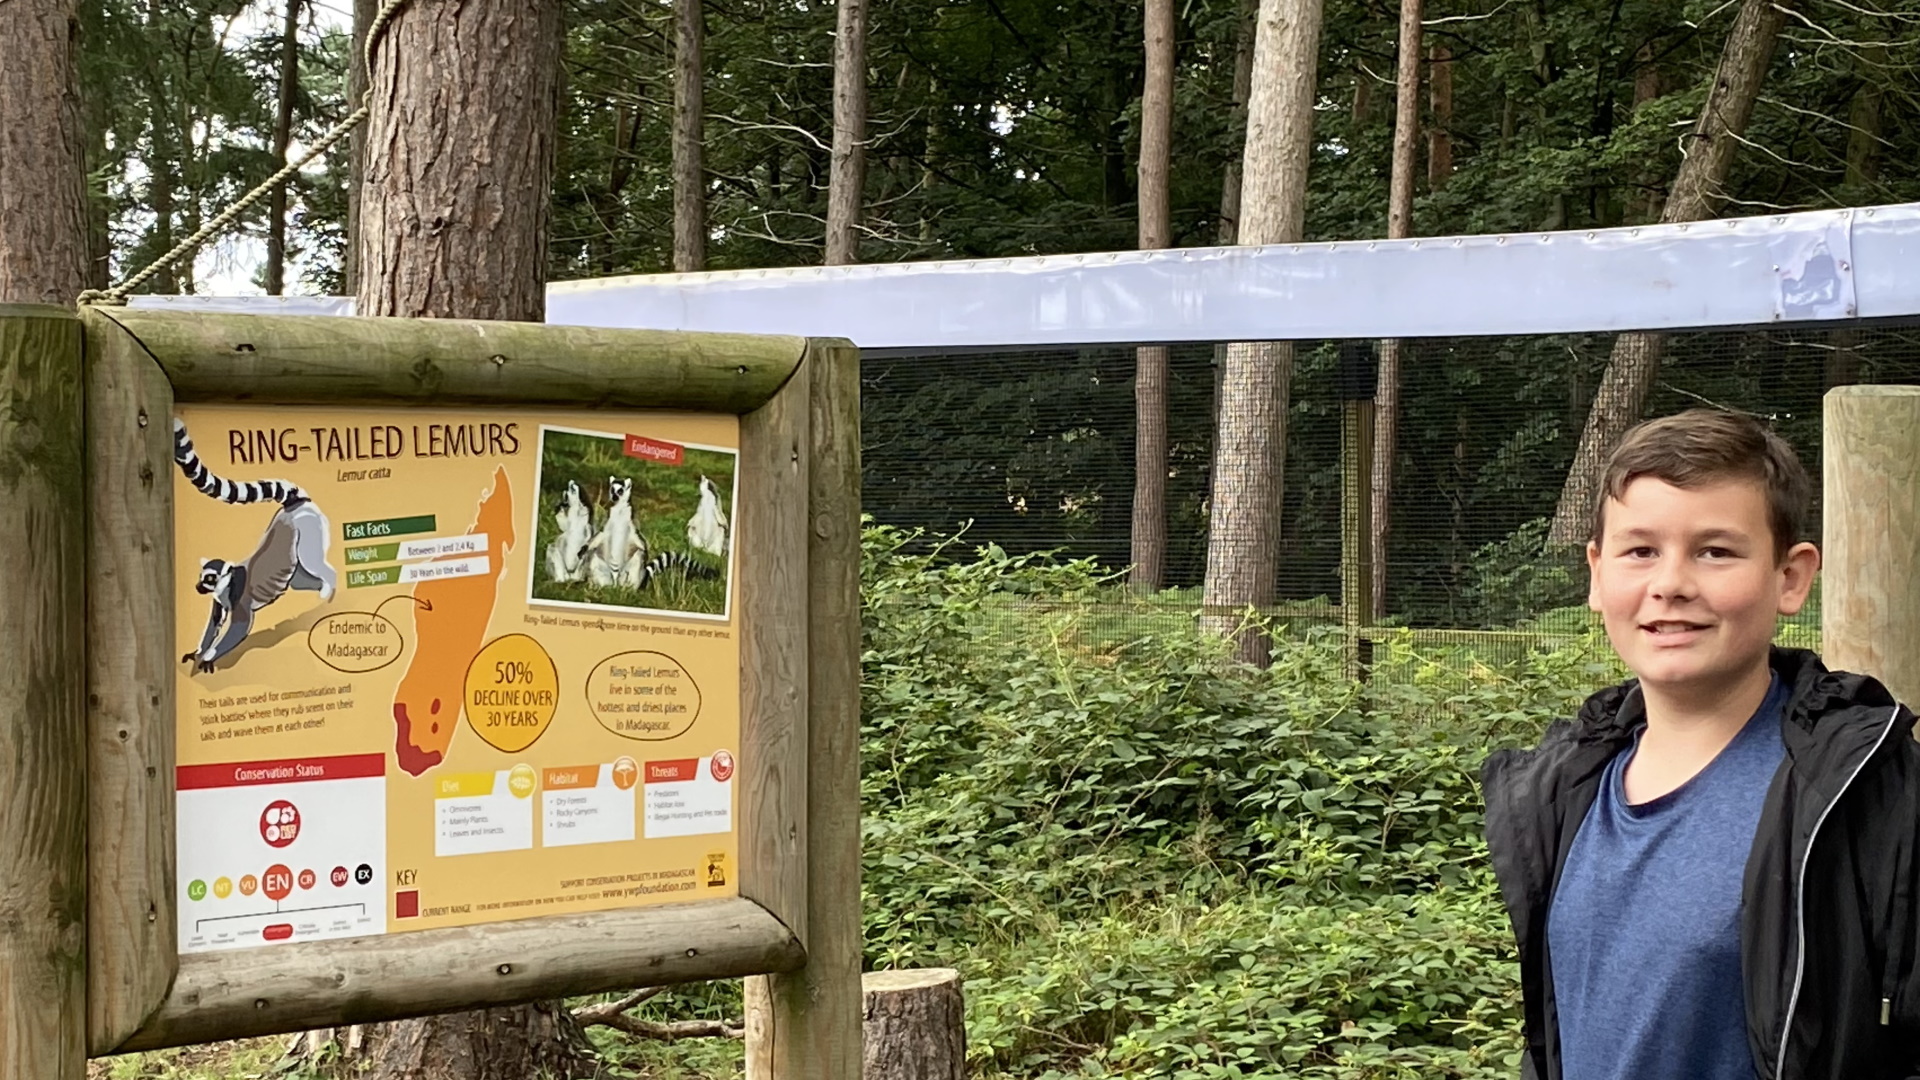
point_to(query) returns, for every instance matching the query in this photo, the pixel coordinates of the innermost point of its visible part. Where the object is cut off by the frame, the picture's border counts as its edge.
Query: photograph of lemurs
(632, 533)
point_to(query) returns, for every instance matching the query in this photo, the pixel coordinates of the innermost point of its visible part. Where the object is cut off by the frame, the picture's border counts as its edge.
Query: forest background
(1146, 862)
(1012, 127)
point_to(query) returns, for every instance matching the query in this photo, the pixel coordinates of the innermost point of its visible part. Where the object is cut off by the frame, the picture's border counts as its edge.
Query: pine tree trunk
(1696, 195)
(1229, 225)
(1842, 366)
(1244, 530)
(1237, 124)
(1386, 393)
(689, 137)
(454, 225)
(846, 179)
(1863, 118)
(1647, 87)
(160, 194)
(1440, 104)
(538, 1040)
(1362, 111)
(282, 135)
(1150, 362)
(363, 16)
(460, 161)
(43, 212)
(96, 114)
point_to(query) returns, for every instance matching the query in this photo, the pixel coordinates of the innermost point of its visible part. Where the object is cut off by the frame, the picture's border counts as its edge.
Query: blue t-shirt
(1644, 932)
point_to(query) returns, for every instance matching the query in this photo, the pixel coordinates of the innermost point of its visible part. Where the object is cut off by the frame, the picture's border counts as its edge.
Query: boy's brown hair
(1706, 446)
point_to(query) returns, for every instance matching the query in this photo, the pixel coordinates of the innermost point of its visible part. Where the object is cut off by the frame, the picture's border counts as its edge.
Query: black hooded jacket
(1830, 914)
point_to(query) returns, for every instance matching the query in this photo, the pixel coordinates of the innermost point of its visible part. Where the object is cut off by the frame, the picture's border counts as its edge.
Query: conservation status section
(448, 667)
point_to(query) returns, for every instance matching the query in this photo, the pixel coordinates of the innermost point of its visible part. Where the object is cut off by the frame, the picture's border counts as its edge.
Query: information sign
(447, 667)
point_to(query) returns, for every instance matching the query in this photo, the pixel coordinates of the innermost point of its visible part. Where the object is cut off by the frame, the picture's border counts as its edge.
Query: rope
(118, 294)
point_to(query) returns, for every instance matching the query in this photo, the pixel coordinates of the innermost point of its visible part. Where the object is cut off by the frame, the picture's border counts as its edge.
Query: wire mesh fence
(1034, 450)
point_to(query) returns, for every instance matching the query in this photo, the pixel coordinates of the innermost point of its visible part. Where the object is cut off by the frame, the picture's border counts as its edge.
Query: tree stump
(915, 1025)
(520, 1042)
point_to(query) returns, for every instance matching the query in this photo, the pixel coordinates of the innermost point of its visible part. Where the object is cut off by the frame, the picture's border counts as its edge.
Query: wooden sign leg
(806, 1025)
(43, 619)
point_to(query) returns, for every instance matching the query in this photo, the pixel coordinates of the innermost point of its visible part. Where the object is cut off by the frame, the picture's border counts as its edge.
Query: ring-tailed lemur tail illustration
(707, 528)
(673, 560)
(229, 491)
(292, 554)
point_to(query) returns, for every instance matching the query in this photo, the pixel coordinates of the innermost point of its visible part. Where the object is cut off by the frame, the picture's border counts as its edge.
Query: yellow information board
(446, 667)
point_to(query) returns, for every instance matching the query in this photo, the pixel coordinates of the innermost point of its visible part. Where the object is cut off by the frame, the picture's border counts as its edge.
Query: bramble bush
(1147, 862)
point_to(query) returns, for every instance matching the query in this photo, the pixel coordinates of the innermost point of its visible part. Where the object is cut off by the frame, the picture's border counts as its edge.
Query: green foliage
(1008, 127)
(179, 101)
(1150, 863)
(1513, 579)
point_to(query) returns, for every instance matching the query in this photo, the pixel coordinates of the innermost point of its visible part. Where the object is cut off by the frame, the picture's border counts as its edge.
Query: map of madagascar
(450, 623)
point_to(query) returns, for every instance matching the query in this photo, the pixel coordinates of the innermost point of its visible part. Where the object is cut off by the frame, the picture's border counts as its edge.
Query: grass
(243, 1058)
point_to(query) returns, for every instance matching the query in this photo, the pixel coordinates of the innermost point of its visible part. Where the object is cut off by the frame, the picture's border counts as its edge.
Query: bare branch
(1827, 117)
(669, 1030)
(748, 125)
(1708, 17)
(790, 64)
(1897, 16)
(1778, 208)
(1828, 34)
(1466, 18)
(597, 1014)
(1789, 162)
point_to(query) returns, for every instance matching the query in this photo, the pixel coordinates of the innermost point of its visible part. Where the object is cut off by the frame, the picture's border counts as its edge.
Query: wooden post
(1870, 591)
(132, 953)
(1357, 375)
(43, 607)
(806, 1026)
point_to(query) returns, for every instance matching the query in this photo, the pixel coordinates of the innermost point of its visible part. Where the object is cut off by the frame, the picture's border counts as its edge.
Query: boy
(1714, 871)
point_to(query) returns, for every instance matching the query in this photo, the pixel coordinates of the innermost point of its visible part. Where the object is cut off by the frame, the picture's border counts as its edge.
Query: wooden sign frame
(797, 918)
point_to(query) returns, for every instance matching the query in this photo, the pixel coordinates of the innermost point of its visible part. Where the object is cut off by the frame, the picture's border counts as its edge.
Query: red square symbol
(406, 905)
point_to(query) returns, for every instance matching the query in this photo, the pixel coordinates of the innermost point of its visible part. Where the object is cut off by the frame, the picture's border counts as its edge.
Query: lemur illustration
(707, 528)
(672, 560)
(292, 555)
(617, 555)
(567, 555)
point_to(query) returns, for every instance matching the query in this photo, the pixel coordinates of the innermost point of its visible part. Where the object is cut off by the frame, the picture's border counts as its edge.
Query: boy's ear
(1797, 571)
(1593, 575)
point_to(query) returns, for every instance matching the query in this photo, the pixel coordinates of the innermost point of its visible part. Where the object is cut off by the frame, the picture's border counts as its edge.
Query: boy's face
(1688, 585)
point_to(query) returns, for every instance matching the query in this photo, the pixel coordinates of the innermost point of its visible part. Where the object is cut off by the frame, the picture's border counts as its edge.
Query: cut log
(915, 1025)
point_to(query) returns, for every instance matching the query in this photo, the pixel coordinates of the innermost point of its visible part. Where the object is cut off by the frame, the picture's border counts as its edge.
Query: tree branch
(669, 1030)
(597, 1014)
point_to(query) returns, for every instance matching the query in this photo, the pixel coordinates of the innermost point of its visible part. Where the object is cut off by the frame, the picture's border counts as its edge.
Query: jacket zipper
(1800, 897)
